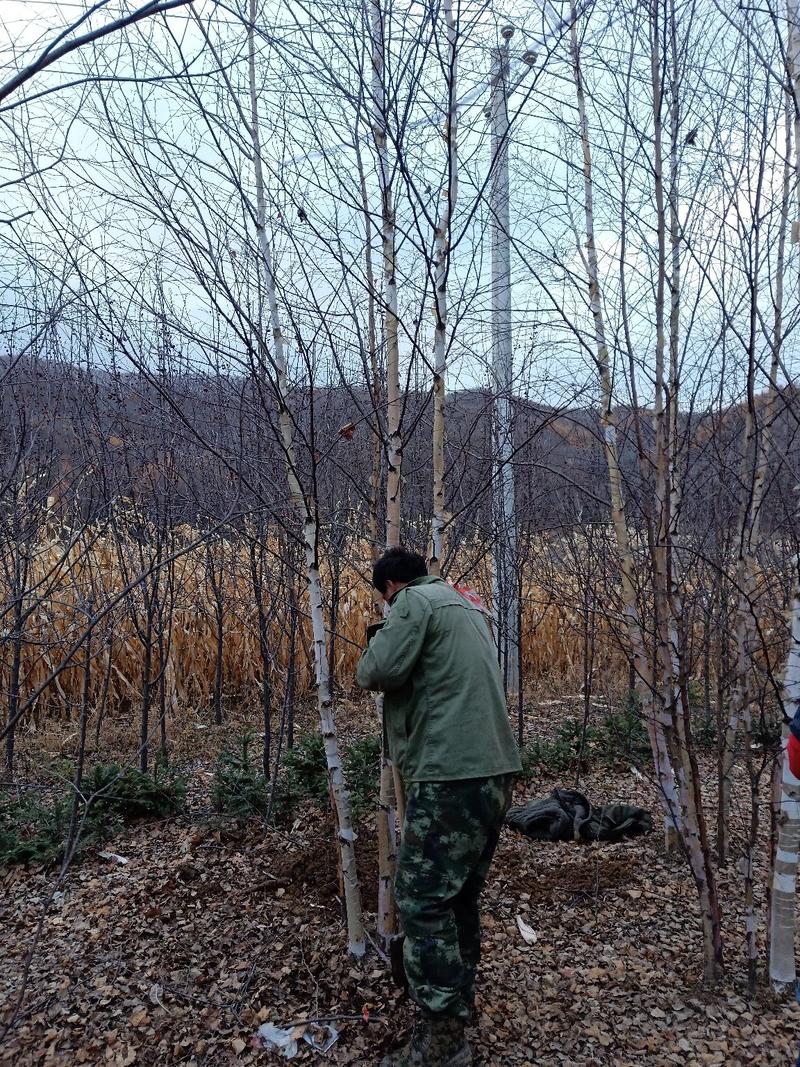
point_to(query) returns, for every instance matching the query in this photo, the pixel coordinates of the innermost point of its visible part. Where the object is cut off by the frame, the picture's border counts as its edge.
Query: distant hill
(193, 446)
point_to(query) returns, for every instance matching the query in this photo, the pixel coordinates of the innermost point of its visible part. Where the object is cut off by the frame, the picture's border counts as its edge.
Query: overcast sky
(546, 174)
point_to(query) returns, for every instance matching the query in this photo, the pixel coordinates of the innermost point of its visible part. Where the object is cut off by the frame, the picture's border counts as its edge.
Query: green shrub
(125, 796)
(110, 797)
(766, 728)
(704, 731)
(528, 759)
(622, 735)
(32, 832)
(695, 690)
(239, 787)
(551, 755)
(562, 752)
(304, 773)
(362, 771)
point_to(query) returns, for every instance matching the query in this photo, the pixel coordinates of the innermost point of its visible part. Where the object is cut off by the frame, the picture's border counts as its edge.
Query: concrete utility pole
(505, 593)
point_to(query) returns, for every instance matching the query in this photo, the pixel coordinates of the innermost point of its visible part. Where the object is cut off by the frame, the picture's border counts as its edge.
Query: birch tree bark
(782, 967)
(385, 818)
(667, 600)
(783, 899)
(306, 512)
(756, 447)
(374, 366)
(645, 680)
(394, 451)
(391, 806)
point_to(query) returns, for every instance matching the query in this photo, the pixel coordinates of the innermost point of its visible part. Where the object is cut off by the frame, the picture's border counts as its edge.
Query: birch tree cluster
(286, 284)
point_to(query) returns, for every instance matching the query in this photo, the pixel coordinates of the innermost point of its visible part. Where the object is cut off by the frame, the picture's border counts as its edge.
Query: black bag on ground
(567, 815)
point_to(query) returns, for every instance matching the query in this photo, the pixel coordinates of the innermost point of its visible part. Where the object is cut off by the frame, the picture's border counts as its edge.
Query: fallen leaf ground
(212, 928)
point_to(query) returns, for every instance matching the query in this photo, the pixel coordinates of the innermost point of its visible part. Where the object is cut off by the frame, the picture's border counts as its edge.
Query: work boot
(436, 1041)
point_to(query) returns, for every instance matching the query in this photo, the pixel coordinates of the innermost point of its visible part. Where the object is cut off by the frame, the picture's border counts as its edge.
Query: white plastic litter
(278, 1038)
(157, 995)
(321, 1038)
(528, 932)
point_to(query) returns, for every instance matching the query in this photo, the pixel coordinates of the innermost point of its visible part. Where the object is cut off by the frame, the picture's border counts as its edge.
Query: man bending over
(448, 733)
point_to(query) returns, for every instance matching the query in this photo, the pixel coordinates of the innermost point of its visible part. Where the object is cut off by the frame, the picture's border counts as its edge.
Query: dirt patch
(313, 871)
(567, 880)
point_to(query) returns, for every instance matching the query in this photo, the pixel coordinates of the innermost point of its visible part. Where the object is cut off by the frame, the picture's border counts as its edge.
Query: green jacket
(444, 708)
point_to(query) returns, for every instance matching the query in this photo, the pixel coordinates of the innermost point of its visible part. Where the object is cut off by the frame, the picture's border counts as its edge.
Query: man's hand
(793, 753)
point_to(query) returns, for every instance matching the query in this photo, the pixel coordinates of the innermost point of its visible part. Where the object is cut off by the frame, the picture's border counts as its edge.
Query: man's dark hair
(397, 565)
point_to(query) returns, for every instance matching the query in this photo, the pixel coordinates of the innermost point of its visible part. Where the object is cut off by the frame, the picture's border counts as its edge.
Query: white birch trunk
(783, 900)
(668, 457)
(755, 445)
(394, 457)
(387, 844)
(505, 600)
(662, 410)
(441, 272)
(385, 819)
(374, 368)
(782, 968)
(391, 805)
(306, 514)
(654, 721)
(692, 820)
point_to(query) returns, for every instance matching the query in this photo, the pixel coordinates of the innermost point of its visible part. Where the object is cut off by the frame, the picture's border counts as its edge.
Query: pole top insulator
(507, 32)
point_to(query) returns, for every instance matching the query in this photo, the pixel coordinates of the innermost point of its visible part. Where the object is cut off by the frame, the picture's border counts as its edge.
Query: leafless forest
(285, 284)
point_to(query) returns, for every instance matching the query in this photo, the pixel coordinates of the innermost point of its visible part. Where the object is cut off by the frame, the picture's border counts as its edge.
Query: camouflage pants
(450, 833)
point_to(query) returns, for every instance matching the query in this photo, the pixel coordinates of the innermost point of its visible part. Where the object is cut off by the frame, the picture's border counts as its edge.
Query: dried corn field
(204, 618)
